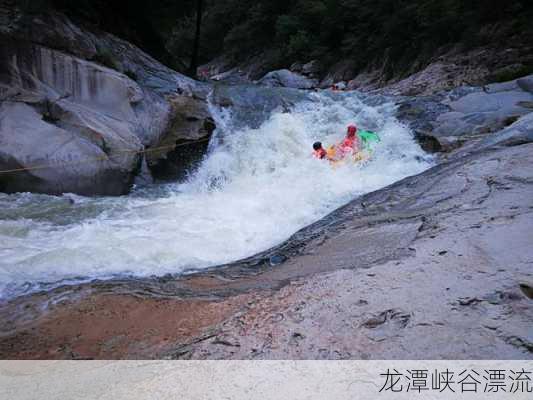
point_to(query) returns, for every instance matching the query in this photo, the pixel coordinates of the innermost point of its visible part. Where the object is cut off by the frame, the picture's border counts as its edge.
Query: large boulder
(312, 69)
(69, 125)
(445, 121)
(341, 71)
(189, 128)
(526, 83)
(288, 79)
(518, 133)
(231, 71)
(80, 109)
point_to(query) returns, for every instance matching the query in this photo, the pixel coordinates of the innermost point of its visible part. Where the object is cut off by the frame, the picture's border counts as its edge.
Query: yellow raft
(360, 156)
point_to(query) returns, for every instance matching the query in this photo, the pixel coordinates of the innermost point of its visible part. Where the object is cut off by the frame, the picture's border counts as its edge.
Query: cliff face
(80, 109)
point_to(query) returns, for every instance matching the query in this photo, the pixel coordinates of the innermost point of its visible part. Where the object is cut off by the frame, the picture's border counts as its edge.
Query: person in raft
(350, 144)
(355, 141)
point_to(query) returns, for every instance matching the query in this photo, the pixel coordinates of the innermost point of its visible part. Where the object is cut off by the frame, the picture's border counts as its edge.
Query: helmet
(317, 145)
(352, 129)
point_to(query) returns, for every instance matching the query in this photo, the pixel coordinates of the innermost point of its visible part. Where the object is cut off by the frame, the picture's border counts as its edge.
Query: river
(254, 188)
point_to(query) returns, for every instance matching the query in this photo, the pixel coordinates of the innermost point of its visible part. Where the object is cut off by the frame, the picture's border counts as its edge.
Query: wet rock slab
(457, 292)
(434, 266)
(447, 120)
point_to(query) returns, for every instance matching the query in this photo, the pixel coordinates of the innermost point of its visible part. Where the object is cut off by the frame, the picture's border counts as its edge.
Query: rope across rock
(99, 158)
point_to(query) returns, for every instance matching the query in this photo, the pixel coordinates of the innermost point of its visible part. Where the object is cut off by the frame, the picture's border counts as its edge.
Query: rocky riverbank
(450, 69)
(448, 120)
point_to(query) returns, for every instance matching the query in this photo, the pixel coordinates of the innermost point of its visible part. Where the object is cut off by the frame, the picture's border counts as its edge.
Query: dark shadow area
(179, 162)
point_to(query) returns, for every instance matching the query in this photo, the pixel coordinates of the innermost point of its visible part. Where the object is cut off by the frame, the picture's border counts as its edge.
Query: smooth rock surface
(436, 266)
(100, 101)
(518, 133)
(86, 115)
(251, 105)
(446, 121)
(455, 292)
(312, 69)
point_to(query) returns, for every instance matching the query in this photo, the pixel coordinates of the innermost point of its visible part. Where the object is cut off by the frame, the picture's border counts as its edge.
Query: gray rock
(74, 116)
(472, 207)
(99, 100)
(296, 67)
(75, 163)
(446, 121)
(502, 102)
(526, 83)
(286, 78)
(341, 71)
(435, 77)
(501, 87)
(227, 70)
(311, 69)
(365, 81)
(518, 133)
(251, 105)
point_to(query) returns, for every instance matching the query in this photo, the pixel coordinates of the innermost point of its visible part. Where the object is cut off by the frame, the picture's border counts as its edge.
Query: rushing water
(253, 190)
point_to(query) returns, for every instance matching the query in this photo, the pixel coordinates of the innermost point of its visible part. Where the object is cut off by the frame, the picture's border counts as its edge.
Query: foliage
(359, 31)
(510, 73)
(299, 45)
(106, 58)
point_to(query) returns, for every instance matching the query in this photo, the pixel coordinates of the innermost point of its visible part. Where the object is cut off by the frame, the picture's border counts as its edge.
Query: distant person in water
(318, 151)
(339, 86)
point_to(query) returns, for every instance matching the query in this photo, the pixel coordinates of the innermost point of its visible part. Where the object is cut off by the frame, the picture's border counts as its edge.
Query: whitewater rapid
(254, 189)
